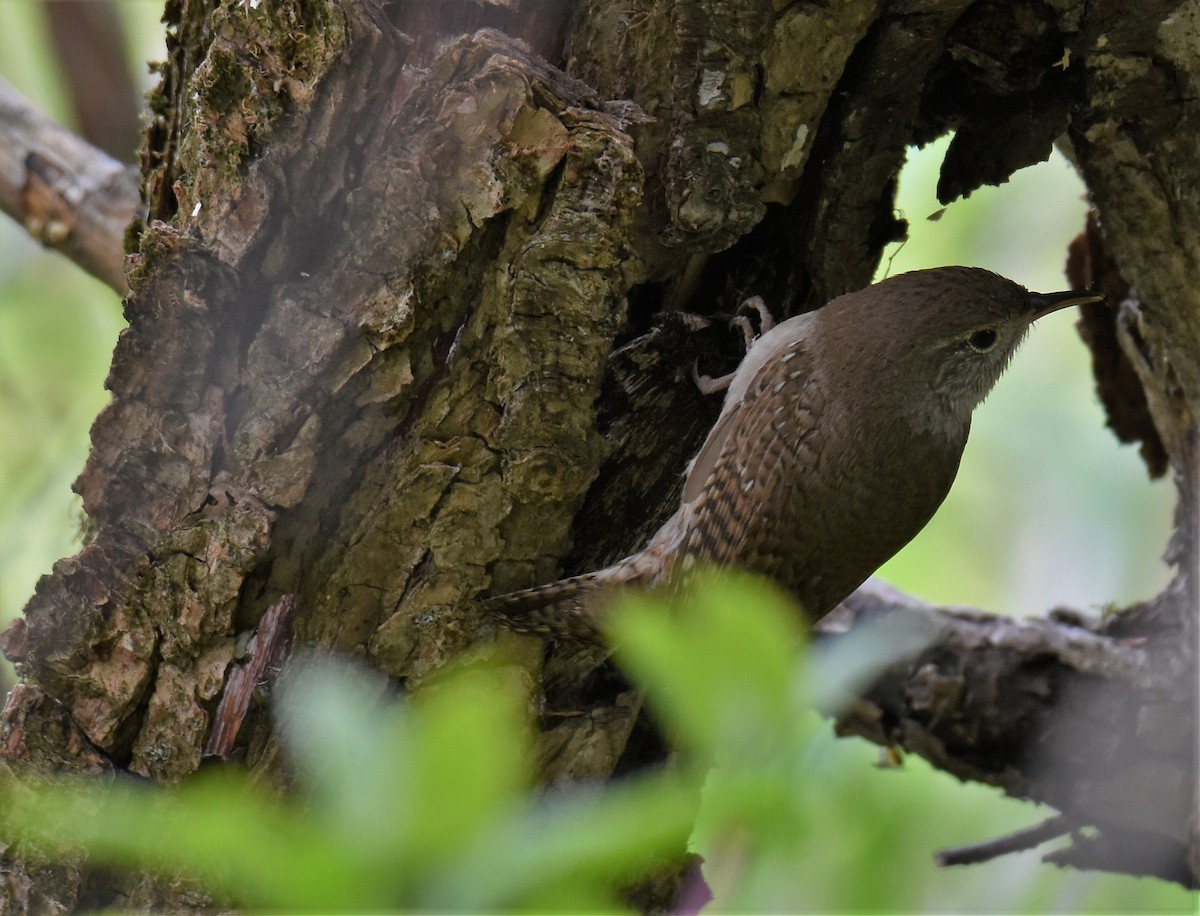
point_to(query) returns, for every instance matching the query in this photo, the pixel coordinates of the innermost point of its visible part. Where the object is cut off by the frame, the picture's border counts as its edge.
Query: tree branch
(66, 193)
(1058, 711)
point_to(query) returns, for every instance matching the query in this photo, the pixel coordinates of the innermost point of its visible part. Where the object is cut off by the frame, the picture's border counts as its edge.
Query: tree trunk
(393, 344)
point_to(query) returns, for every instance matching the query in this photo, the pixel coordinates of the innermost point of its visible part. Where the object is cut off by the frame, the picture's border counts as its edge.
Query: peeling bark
(394, 343)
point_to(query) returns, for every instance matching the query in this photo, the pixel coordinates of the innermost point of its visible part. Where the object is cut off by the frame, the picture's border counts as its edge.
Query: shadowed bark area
(395, 342)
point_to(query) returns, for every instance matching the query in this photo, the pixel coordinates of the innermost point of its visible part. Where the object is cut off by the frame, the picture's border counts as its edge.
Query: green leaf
(571, 851)
(717, 662)
(218, 828)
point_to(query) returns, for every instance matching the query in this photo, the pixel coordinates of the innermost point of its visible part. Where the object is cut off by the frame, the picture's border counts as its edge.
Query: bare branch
(90, 42)
(1019, 841)
(1066, 711)
(68, 194)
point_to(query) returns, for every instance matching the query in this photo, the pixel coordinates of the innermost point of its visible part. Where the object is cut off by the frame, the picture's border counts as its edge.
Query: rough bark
(392, 345)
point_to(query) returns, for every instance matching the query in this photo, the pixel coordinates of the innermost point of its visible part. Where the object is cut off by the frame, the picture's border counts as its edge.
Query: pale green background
(1047, 509)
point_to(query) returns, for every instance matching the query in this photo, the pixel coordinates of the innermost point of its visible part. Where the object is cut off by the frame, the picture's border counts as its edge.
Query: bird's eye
(982, 340)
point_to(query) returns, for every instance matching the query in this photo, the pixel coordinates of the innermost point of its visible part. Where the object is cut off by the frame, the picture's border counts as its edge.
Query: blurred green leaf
(567, 848)
(218, 828)
(424, 803)
(404, 786)
(408, 804)
(683, 653)
(470, 750)
(792, 820)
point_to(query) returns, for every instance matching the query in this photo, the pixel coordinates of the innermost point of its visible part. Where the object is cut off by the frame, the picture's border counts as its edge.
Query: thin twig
(1001, 846)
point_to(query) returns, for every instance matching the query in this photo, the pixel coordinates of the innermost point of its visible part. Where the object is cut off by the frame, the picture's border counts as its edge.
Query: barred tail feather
(561, 609)
(570, 608)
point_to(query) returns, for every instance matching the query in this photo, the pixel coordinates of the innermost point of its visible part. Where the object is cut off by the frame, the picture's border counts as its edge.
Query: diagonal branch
(66, 193)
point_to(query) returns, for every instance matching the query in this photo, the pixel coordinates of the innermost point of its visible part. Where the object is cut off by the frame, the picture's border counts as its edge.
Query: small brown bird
(840, 435)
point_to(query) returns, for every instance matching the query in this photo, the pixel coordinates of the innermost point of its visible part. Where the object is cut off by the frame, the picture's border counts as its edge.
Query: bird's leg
(766, 321)
(706, 383)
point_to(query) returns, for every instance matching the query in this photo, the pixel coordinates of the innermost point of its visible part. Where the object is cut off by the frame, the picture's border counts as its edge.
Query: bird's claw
(766, 321)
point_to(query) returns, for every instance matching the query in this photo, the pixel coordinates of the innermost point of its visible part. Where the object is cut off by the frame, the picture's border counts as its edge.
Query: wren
(840, 435)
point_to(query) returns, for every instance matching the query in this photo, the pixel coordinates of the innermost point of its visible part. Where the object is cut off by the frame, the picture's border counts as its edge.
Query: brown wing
(745, 485)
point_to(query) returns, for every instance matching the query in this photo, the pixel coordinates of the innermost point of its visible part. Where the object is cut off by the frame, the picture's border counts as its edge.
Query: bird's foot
(766, 321)
(706, 383)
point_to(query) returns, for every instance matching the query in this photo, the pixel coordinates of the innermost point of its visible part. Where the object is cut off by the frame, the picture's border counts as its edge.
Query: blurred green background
(1047, 509)
(57, 327)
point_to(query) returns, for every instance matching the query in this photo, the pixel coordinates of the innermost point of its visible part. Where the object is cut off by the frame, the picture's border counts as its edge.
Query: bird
(840, 435)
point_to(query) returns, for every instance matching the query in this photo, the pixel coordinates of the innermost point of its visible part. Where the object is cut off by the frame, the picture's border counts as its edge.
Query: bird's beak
(1042, 304)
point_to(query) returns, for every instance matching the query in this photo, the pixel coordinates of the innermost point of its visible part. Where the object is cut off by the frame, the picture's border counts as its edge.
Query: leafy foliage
(419, 805)
(428, 804)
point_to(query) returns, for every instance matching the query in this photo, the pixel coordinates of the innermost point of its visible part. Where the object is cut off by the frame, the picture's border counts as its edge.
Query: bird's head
(940, 339)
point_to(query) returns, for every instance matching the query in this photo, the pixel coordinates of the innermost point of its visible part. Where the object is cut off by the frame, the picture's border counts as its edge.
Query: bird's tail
(573, 608)
(570, 609)
(565, 609)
